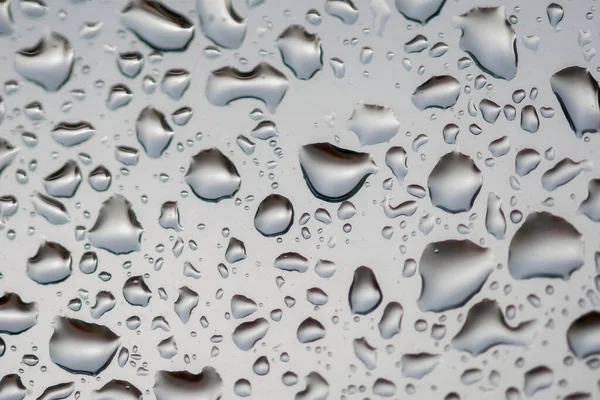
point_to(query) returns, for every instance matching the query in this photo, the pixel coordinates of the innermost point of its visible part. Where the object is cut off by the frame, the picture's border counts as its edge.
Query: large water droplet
(117, 390)
(48, 63)
(490, 39)
(332, 173)
(264, 83)
(248, 333)
(158, 26)
(437, 92)
(185, 385)
(71, 134)
(365, 294)
(485, 327)
(50, 264)
(153, 132)
(16, 316)
(453, 271)
(301, 51)
(82, 348)
(212, 176)
(220, 23)
(545, 246)
(64, 181)
(419, 10)
(578, 95)
(454, 183)
(373, 124)
(116, 229)
(274, 216)
(583, 335)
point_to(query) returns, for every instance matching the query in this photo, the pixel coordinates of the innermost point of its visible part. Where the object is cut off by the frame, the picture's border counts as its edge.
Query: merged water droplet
(185, 385)
(485, 327)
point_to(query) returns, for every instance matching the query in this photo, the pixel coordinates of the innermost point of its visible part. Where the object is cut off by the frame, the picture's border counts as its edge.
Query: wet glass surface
(320, 199)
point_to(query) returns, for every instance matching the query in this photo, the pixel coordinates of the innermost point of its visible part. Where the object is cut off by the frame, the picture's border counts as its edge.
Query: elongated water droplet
(301, 51)
(51, 264)
(437, 92)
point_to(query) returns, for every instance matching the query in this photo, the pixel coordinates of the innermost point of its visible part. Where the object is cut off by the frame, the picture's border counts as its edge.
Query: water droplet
(545, 246)
(82, 348)
(48, 63)
(264, 83)
(437, 92)
(158, 26)
(490, 39)
(373, 124)
(453, 271)
(116, 229)
(153, 132)
(332, 173)
(212, 176)
(454, 183)
(486, 327)
(365, 294)
(301, 51)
